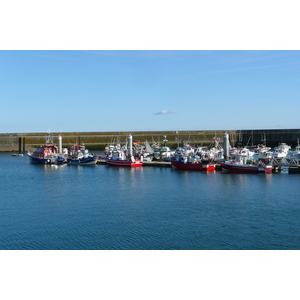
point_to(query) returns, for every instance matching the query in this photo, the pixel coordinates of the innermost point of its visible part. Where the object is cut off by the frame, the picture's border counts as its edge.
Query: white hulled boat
(295, 154)
(281, 150)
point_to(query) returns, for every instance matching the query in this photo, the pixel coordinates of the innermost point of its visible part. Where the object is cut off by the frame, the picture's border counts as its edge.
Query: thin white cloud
(164, 112)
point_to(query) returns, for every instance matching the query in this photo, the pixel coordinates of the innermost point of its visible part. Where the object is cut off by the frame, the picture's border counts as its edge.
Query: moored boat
(163, 153)
(281, 150)
(85, 160)
(295, 154)
(184, 160)
(213, 153)
(79, 155)
(119, 158)
(192, 165)
(237, 167)
(48, 153)
(237, 164)
(147, 152)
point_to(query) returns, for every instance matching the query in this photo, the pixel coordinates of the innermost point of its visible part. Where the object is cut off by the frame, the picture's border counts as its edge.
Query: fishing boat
(119, 158)
(199, 166)
(79, 155)
(217, 150)
(295, 154)
(147, 152)
(249, 168)
(164, 153)
(183, 160)
(186, 150)
(281, 150)
(84, 161)
(237, 164)
(261, 148)
(110, 148)
(213, 153)
(48, 153)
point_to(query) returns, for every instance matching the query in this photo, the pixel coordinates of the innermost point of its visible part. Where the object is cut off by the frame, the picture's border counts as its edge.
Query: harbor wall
(22, 142)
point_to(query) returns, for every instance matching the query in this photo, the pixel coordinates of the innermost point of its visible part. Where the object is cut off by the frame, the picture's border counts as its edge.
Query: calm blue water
(104, 207)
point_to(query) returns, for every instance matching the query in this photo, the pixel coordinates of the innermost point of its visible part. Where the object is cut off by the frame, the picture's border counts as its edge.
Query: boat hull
(85, 161)
(124, 163)
(193, 166)
(47, 160)
(232, 167)
(41, 161)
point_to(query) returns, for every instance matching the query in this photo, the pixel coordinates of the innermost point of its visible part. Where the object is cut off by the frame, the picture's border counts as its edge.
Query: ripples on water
(104, 207)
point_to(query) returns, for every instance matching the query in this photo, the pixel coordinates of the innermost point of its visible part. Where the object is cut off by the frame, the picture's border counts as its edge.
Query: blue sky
(148, 90)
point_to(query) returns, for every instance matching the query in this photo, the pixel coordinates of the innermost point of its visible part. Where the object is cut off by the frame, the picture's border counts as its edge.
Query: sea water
(107, 207)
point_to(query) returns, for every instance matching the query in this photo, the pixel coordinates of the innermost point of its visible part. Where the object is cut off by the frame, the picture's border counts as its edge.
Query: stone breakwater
(22, 142)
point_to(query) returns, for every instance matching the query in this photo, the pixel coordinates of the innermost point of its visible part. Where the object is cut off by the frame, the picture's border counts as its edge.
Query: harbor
(220, 154)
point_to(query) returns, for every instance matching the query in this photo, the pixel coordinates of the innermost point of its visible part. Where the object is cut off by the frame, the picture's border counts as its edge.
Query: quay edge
(96, 141)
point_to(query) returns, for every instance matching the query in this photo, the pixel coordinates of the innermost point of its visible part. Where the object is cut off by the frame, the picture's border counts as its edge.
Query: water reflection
(124, 180)
(51, 169)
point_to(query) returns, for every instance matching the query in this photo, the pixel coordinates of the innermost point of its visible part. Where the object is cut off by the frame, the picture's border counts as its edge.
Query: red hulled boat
(237, 164)
(181, 161)
(118, 158)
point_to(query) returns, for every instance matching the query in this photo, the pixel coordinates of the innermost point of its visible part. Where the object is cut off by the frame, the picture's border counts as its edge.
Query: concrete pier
(295, 169)
(161, 164)
(168, 164)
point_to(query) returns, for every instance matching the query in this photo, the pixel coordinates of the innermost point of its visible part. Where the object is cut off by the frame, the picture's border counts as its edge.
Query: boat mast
(165, 140)
(264, 140)
(129, 140)
(226, 146)
(49, 139)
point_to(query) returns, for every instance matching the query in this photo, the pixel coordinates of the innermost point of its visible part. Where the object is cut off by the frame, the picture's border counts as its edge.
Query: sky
(145, 90)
